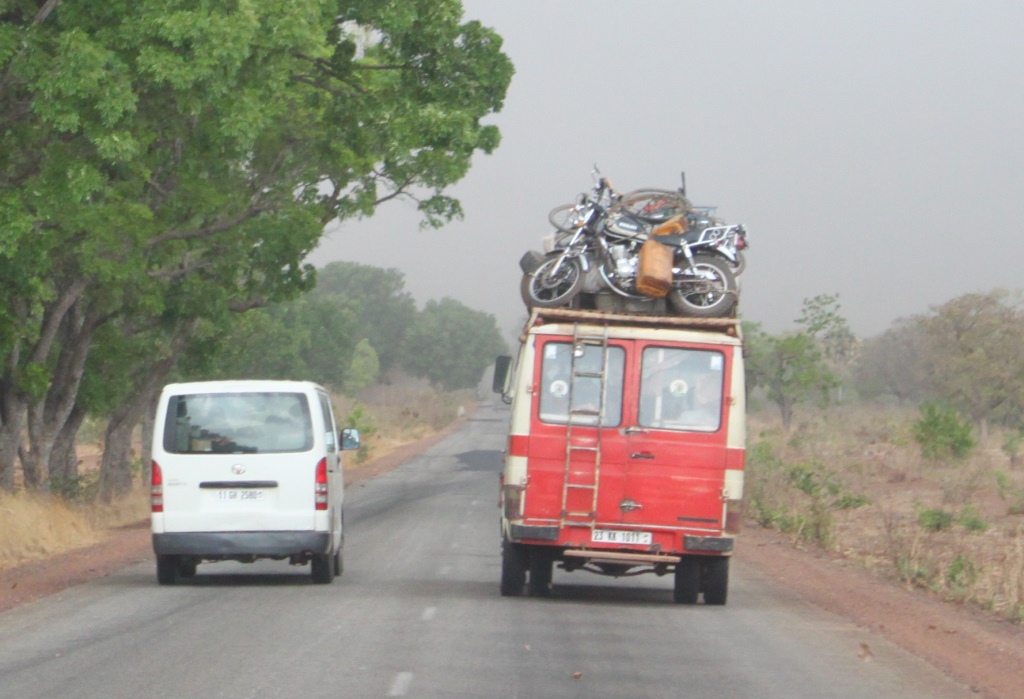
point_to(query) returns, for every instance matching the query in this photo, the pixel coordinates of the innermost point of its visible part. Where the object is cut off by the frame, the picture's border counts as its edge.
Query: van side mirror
(349, 439)
(502, 374)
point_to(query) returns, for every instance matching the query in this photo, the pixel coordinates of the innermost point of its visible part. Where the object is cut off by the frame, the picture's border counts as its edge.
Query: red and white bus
(625, 451)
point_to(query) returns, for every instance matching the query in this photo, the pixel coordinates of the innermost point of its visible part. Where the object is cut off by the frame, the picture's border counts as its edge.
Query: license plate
(617, 536)
(240, 494)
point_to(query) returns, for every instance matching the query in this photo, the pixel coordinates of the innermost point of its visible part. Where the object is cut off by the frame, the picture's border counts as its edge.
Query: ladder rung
(585, 412)
(580, 485)
(592, 339)
(580, 447)
(577, 514)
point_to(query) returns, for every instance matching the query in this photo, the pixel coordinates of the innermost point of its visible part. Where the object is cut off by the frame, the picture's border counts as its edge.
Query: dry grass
(403, 411)
(851, 480)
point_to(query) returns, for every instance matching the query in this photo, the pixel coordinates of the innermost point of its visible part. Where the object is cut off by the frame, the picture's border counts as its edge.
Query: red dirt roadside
(979, 650)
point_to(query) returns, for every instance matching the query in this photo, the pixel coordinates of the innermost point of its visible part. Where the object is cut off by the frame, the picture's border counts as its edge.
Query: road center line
(401, 684)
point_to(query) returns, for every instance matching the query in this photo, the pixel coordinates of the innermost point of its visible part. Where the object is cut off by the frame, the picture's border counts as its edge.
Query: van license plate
(240, 494)
(616, 536)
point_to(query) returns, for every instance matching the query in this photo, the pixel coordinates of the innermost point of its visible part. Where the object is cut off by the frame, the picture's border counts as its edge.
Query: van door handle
(641, 455)
(634, 430)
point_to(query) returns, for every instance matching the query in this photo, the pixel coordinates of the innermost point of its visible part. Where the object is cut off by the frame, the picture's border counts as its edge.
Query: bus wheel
(541, 565)
(715, 580)
(513, 569)
(687, 583)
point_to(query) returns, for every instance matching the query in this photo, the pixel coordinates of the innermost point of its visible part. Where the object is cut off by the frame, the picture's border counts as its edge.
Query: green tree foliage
(163, 164)
(975, 355)
(451, 345)
(942, 433)
(363, 370)
(381, 308)
(796, 367)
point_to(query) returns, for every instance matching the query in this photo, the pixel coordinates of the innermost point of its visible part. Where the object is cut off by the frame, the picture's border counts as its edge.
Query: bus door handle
(641, 455)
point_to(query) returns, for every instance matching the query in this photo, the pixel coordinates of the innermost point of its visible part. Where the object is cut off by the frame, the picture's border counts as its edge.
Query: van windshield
(238, 423)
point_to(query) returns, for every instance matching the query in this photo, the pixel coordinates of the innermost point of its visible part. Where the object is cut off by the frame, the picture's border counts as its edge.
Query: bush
(970, 519)
(942, 433)
(935, 520)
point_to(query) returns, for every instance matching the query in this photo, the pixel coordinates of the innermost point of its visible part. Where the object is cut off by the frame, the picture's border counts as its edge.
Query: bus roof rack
(572, 315)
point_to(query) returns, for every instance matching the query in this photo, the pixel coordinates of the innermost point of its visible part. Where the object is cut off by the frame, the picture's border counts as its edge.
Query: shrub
(935, 520)
(942, 433)
(970, 519)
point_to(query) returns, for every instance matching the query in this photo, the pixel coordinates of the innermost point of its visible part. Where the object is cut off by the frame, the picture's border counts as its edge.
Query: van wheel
(322, 568)
(513, 569)
(187, 568)
(168, 570)
(715, 580)
(541, 565)
(338, 563)
(687, 581)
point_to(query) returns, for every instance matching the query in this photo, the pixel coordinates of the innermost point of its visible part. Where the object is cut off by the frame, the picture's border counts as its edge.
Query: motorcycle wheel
(712, 295)
(552, 291)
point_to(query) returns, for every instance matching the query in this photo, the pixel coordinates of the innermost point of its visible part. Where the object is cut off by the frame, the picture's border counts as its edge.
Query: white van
(245, 470)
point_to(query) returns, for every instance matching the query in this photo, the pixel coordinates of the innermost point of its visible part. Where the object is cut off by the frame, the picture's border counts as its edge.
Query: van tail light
(320, 489)
(156, 498)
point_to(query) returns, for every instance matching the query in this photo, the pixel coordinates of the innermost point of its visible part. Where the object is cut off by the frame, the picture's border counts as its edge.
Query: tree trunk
(47, 417)
(63, 465)
(13, 400)
(115, 468)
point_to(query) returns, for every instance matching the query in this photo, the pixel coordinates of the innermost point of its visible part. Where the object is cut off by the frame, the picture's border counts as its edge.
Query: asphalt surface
(417, 613)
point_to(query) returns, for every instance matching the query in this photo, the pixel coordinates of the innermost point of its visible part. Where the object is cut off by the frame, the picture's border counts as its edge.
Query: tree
(451, 345)
(380, 306)
(363, 370)
(795, 367)
(162, 164)
(893, 363)
(975, 354)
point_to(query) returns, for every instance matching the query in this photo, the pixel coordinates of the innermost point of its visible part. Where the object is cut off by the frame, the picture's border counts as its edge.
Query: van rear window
(238, 423)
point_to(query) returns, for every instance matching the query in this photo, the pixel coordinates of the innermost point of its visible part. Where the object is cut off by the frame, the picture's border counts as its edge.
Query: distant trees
(329, 335)
(451, 344)
(967, 353)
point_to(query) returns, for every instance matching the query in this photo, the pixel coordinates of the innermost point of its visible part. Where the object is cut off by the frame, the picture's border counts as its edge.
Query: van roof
(243, 386)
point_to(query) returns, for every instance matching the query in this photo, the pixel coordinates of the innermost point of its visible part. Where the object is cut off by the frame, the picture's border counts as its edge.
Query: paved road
(417, 613)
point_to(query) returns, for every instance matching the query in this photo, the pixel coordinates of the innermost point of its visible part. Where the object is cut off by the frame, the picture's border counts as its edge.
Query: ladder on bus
(577, 448)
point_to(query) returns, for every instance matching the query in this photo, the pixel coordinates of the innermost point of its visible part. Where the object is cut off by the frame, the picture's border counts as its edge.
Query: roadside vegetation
(901, 453)
(165, 170)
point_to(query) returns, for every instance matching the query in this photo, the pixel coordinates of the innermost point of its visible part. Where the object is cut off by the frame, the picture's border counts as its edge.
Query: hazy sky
(872, 148)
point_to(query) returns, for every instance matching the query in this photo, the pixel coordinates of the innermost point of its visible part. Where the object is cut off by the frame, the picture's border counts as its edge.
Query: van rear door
(238, 461)
(676, 459)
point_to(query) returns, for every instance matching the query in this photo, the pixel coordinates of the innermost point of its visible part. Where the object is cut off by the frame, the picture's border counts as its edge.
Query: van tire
(513, 569)
(715, 580)
(321, 568)
(187, 568)
(541, 566)
(338, 563)
(687, 581)
(168, 570)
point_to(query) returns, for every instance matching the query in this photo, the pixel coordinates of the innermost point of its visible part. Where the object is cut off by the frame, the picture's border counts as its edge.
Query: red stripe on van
(518, 445)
